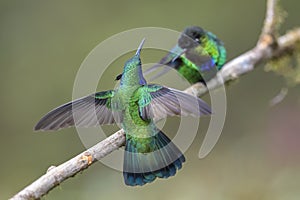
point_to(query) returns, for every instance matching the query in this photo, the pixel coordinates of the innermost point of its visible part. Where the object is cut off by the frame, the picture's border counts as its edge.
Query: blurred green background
(42, 46)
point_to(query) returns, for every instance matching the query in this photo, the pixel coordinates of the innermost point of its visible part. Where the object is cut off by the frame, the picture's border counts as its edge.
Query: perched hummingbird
(149, 153)
(197, 57)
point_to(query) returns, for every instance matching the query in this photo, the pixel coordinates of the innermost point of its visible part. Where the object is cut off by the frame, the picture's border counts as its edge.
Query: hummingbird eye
(118, 77)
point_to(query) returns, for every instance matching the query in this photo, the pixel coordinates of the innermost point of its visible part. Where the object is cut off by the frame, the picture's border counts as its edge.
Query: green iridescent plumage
(197, 57)
(149, 153)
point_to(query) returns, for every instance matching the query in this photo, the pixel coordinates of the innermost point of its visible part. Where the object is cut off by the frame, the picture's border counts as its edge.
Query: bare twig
(263, 51)
(279, 97)
(270, 18)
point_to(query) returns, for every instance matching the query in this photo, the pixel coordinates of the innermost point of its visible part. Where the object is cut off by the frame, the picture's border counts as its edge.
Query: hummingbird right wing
(88, 111)
(157, 102)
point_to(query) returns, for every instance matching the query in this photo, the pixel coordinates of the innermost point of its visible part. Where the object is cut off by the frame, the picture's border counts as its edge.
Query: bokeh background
(42, 46)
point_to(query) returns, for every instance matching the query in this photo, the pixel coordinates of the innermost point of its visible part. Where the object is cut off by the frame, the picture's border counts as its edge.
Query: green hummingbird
(197, 57)
(149, 153)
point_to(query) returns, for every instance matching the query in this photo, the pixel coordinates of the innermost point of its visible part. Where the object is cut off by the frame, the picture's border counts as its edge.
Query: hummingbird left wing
(89, 111)
(157, 102)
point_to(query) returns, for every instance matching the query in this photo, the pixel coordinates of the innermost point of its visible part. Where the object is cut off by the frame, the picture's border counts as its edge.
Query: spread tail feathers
(161, 160)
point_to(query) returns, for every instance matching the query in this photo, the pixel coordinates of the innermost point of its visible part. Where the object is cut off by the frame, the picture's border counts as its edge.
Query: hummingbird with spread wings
(149, 153)
(197, 57)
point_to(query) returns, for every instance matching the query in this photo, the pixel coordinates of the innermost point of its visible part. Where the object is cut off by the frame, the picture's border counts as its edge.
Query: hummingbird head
(191, 37)
(134, 62)
(132, 72)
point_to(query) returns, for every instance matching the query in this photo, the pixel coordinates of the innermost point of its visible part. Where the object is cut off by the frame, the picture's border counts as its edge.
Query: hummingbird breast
(132, 123)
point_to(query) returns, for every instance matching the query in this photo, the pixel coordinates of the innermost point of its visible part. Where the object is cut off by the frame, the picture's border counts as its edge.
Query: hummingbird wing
(88, 111)
(199, 59)
(157, 102)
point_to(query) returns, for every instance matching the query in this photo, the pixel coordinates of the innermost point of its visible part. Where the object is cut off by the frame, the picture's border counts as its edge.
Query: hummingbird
(136, 106)
(197, 56)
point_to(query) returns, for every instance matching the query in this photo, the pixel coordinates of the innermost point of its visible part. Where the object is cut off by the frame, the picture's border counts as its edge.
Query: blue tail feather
(139, 170)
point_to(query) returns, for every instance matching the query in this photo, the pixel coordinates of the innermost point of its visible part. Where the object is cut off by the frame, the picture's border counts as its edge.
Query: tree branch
(268, 47)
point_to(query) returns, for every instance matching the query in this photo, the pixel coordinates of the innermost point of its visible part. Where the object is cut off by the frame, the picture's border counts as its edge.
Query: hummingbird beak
(178, 54)
(138, 51)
